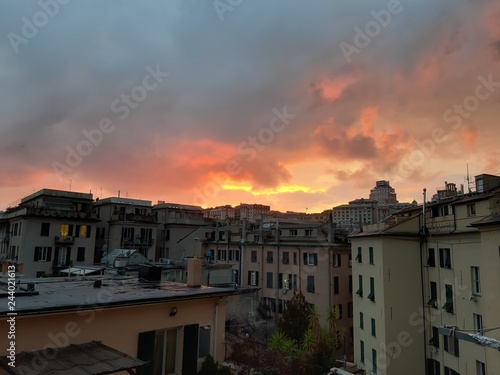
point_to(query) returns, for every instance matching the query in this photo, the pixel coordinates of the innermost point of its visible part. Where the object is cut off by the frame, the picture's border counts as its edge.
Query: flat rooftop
(64, 294)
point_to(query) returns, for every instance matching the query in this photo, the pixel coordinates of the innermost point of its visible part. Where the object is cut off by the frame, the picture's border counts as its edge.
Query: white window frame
(336, 260)
(478, 323)
(42, 254)
(476, 280)
(253, 278)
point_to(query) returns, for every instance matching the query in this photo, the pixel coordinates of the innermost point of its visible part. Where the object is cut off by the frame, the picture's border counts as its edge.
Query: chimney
(194, 273)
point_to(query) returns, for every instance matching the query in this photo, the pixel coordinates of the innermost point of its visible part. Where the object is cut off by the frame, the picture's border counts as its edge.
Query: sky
(298, 105)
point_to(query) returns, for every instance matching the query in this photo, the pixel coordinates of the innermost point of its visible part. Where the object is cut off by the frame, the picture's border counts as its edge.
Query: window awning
(83, 359)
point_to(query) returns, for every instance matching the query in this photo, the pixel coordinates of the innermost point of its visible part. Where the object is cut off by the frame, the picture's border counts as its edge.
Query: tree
(295, 320)
(208, 367)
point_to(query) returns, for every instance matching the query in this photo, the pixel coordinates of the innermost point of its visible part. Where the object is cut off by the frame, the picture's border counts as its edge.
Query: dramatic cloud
(176, 101)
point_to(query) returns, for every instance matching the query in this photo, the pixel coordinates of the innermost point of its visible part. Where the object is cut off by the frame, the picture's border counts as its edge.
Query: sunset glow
(169, 102)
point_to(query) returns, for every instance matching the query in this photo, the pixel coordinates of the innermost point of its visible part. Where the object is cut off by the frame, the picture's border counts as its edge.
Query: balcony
(64, 240)
(49, 212)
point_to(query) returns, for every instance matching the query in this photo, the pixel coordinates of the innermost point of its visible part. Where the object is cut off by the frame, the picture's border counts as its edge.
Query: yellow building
(170, 326)
(427, 282)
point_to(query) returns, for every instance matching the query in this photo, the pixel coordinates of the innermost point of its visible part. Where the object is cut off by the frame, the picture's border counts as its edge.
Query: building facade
(125, 223)
(428, 292)
(49, 231)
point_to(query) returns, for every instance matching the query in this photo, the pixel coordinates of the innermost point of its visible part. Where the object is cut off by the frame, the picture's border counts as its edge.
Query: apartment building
(222, 212)
(282, 258)
(253, 212)
(49, 231)
(180, 228)
(383, 193)
(107, 325)
(124, 223)
(428, 292)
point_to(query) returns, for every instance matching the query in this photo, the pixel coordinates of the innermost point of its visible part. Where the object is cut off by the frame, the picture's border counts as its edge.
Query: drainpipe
(216, 333)
(423, 241)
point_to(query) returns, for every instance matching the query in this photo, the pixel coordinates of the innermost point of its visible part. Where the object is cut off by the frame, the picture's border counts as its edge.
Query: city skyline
(197, 103)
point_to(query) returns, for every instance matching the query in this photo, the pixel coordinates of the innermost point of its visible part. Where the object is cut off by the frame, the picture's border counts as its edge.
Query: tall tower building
(383, 193)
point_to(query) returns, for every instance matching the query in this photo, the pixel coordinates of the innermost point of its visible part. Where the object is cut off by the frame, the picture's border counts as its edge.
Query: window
(448, 306)
(253, 256)
(221, 254)
(310, 284)
(293, 232)
(253, 278)
(370, 255)
(433, 367)
(15, 229)
(471, 209)
(480, 368)
(234, 255)
(374, 333)
(444, 210)
(159, 348)
(82, 231)
(310, 259)
(285, 259)
(431, 260)
(269, 280)
(374, 361)
(451, 345)
(309, 232)
(256, 238)
(336, 260)
(221, 236)
(204, 343)
(295, 258)
(62, 256)
(269, 258)
(476, 281)
(43, 254)
(359, 257)
(433, 301)
(362, 351)
(434, 341)
(284, 279)
(449, 371)
(360, 287)
(444, 258)
(295, 285)
(80, 255)
(478, 323)
(350, 284)
(350, 311)
(339, 312)
(361, 321)
(45, 229)
(371, 296)
(336, 285)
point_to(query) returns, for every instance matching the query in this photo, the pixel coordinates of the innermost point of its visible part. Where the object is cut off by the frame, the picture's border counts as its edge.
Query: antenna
(69, 184)
(468, 180)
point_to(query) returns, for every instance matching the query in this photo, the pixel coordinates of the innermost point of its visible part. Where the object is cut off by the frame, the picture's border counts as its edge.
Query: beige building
(282, 258)
(428, 287)
(125, 223)
(48, 232)
(159, 327)
(180, 229)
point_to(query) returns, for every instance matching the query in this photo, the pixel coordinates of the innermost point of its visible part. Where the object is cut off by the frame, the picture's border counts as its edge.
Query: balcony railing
(61, 240)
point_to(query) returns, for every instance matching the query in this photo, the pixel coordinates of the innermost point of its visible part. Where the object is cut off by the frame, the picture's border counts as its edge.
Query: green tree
(208, 367)
(295, 320)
